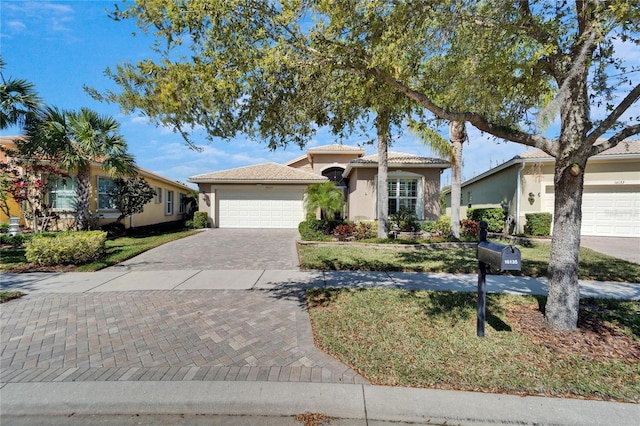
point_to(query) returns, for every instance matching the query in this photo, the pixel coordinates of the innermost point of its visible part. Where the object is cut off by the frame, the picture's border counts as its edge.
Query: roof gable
(265, 173)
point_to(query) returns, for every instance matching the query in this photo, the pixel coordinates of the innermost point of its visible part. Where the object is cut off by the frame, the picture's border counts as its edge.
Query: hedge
(73, 248)
(494, 216)
(200, 220)
(538, 224)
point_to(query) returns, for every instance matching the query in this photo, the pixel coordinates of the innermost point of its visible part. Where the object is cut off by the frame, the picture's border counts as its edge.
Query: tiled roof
(267, 172)
(400, 158)
(625, 147)
(334, 148)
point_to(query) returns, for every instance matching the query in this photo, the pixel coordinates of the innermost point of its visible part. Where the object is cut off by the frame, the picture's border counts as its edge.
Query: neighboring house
(272, 195)
(61, 195)
(524, 184)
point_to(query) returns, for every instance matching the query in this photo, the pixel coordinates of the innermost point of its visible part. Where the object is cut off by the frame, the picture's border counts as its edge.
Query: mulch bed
(29, 267)
(593, 339)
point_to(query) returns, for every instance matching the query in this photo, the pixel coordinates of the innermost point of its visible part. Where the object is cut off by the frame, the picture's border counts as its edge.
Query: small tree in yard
(130, 195)
(325, 196)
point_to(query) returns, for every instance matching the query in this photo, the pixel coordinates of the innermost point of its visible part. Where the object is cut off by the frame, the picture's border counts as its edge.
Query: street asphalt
(229, 342)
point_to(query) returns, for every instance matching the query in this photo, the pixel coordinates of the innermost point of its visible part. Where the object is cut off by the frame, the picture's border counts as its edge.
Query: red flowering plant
(25, 180)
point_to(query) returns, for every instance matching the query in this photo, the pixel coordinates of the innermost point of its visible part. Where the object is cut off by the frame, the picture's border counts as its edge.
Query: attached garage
(263, 196)
(607, 211)
(263, 208)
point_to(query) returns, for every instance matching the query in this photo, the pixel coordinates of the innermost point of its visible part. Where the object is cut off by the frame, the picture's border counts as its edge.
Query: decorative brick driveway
(243, 335)
(252, 335)
(216, 249)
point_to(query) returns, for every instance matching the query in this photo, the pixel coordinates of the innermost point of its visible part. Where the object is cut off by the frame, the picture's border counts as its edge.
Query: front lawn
(118, 250)
(428, 339)
(535, 260)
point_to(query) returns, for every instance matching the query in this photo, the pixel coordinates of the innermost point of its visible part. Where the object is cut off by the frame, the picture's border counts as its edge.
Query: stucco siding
(362, 195)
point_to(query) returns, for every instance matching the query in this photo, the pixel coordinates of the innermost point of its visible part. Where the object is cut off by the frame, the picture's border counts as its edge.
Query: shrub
(442, 226)
(364, 230)
(66, 248)
(494, 216)
(312, 230)
(404, 220)
(4, 228)
(114, 230)
(14, 240)
(345, 231)
(429, 226)
(538, 224)
(469, 228)
(200, 220)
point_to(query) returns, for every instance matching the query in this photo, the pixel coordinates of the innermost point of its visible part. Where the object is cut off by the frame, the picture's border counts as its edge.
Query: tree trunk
(83, 193)
(382, 128)
(457, 134)
(561, 310)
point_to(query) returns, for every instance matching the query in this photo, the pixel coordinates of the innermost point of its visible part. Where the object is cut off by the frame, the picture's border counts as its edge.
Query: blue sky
(62, 45)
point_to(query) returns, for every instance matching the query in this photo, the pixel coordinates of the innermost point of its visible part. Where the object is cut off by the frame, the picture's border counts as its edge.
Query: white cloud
(38, 19)
(15, 27)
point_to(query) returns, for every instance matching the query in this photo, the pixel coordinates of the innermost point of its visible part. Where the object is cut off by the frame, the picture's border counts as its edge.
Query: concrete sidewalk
(353, 404)
(113, 280)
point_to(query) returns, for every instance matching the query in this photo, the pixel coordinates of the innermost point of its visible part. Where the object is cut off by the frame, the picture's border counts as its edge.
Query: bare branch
(615, 139)
(503, 132)
(623, 106)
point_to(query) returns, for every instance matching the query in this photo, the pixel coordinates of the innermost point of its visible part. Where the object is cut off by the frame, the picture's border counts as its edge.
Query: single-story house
(272, 195)
(61, 195)
(524, 184)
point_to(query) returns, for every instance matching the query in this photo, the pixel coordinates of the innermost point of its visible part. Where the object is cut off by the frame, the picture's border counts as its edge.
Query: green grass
(428, 339)
(535, 260)
(5, 296)
(11, 257)
(118, 250)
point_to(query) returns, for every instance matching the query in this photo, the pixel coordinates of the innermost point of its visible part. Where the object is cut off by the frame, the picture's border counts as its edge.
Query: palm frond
(431, 138)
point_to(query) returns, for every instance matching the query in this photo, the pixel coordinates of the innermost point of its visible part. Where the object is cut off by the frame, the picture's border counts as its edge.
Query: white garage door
(260, 209)
(610, 211)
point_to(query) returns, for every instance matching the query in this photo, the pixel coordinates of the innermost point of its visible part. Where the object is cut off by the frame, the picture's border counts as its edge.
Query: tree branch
(623, 106)
(615, 139)
(476, 120)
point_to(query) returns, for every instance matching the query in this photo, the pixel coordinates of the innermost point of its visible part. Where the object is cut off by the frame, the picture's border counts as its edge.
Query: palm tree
(76, 139)
(453, 151)
(325, 196)
(18, 100)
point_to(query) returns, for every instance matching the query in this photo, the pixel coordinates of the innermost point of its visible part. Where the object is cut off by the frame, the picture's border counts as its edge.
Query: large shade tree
(73, 140)
(497, 65)
(247, 75)
(516, 51)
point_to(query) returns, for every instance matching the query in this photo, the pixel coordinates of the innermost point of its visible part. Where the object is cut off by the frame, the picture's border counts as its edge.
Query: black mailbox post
(497, 256)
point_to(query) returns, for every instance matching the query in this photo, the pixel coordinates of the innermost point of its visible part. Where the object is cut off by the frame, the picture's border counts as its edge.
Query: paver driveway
(216, 249)
(242, 335)
(247, 335)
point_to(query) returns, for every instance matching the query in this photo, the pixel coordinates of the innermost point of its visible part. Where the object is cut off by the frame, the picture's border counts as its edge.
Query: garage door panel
(260, 209)
(607, 211)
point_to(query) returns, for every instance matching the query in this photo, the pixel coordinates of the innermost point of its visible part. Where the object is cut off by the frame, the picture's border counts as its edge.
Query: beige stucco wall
(322, 162)
(362, 196)
(154, 212)
(537, 182)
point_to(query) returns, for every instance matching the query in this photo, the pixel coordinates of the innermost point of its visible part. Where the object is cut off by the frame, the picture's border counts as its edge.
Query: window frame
(395, 175)
(169, 203)
(104, 193)
(55, 192)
